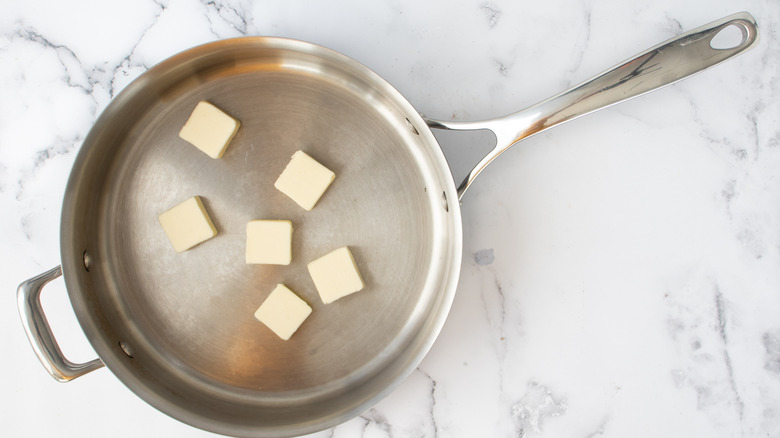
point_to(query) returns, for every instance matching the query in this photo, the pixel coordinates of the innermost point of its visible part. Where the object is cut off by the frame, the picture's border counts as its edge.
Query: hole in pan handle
(28, 298)
(656, 67)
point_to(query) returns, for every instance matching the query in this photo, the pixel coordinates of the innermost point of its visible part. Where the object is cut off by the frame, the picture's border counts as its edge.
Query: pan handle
(28, 298)
(650, 70)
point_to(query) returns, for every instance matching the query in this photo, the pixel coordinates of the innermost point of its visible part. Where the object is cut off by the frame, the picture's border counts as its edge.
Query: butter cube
(209, 129)
(269, 242)
(187, 224)
(335, 275)
(283, 312)
(304, 180)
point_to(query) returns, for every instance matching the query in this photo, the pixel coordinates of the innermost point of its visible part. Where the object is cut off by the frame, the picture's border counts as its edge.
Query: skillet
(178, 330)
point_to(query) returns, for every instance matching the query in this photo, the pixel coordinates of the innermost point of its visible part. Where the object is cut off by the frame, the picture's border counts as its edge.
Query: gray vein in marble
(492, 12)
(494, 306)
(500, 302)
(25, 225)
(537, 404)
(729, 190)
(65, 55)
(755, 131)
(741, 153)
(3, 171)
(774, 141)
(233, 16)
(702, 335)
(721, 313)
(737, 150)
(67, 58)
(771, 342)
(72, 65)
(163, 5)
(600, 429)
(372, 416)
(581, 48)
(433, 401)
(714, 142)
(331, 432)
(60, 147)
(503, 69)
(673, 25)
(126, 63)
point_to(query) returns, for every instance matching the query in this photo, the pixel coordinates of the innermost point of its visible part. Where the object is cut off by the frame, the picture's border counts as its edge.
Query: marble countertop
(621, 273)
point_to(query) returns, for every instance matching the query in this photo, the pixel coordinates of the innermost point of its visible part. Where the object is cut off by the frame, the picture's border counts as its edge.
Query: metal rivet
(411, 127)
(87, 260)
(126, 348)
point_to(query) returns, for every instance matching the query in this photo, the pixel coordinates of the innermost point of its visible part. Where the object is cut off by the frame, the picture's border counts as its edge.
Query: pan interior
(189, 316)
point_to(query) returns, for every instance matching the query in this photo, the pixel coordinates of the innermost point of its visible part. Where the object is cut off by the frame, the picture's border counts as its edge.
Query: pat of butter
(304, 180)
(269, 242)
(187, 224)
(335, 275)
(283, 312)
(209, 129)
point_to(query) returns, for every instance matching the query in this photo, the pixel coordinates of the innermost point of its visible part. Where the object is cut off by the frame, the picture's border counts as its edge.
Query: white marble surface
(621, 273)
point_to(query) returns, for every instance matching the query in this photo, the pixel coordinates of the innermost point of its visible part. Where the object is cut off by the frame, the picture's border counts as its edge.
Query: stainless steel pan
(178, 329)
